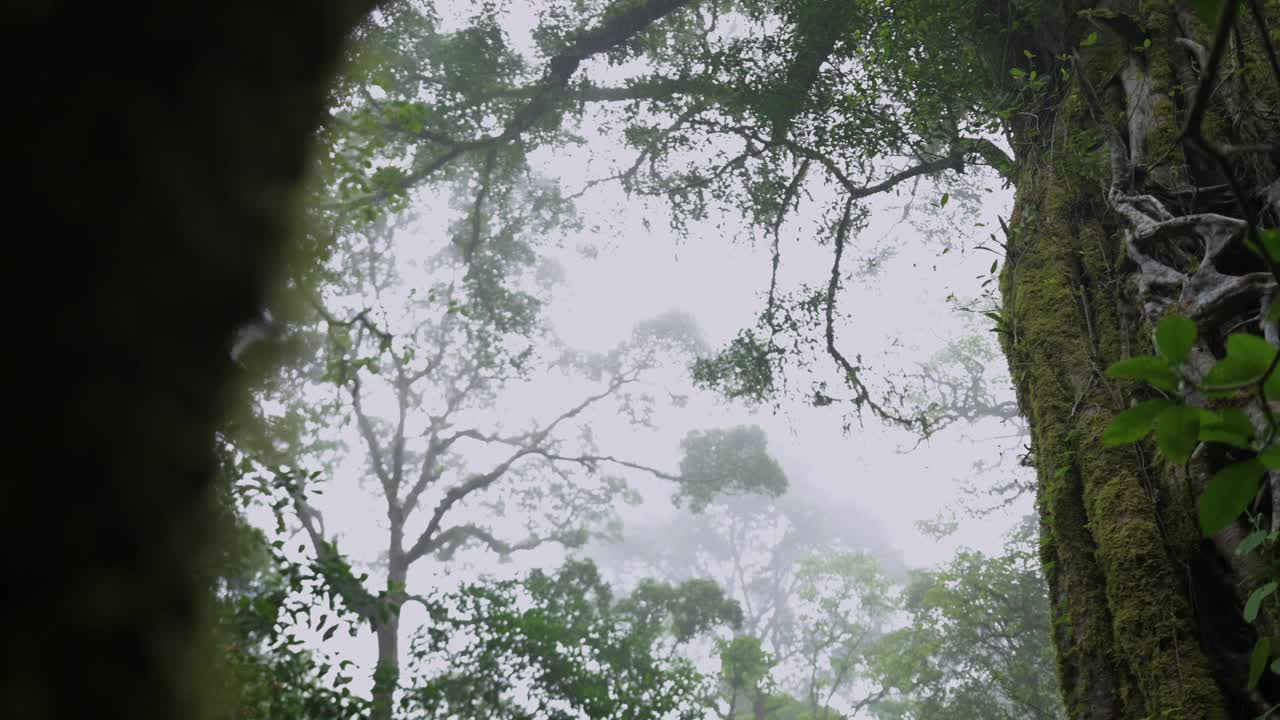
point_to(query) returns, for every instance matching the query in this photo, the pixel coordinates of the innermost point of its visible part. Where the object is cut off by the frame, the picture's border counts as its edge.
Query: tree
(195, 168)
(418, 363)
(553, 646)
(269, 673)
(842, 606)
(1130, 639)
(1115, 223)
(846, 604)
(954, 386)
(1145, 617)
(753, 546)
(814, 601)
(976, 642)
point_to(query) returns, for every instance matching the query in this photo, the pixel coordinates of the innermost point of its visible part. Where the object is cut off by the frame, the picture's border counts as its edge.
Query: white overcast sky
(640, 269)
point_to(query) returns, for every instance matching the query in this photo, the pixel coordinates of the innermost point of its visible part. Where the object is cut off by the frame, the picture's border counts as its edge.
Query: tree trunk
(386, 674)
(1146, 613)
(386, 624)
(158, 149)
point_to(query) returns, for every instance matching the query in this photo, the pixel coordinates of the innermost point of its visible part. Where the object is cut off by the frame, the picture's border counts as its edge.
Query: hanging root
(1205, 293)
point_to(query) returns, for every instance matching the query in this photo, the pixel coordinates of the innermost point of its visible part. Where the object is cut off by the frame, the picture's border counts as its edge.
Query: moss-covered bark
(1141, 604)
(155, 157)
(1123, 628)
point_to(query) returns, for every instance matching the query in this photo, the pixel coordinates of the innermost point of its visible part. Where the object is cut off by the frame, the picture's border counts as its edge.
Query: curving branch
(448, 541)
(528, 444)
(615, 30)
(377, 455)
(862, 394)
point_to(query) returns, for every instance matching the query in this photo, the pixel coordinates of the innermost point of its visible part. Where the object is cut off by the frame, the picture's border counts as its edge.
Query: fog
(917, 277)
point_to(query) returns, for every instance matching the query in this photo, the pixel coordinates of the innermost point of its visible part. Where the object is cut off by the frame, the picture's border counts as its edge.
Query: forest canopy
(1138, 142)
(415, 346)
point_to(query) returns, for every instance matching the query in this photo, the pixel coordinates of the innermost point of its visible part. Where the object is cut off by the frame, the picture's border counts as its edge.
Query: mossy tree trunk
(1146, 613)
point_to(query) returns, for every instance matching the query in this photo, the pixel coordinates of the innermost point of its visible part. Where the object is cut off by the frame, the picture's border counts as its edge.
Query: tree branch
(862, 395)
(615, 30)
(377, 456)
(528, 445)
(359, 600)
(477, 211)
(448, 541)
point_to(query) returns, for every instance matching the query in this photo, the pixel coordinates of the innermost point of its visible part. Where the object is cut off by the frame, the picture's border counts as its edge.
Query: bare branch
(448, 541)
(788, 197)
(436, 447)
(528, 445)
(628, 176)
(361, 318)
(377, 456)
(862, 395)
(995, 157)
(592, 461)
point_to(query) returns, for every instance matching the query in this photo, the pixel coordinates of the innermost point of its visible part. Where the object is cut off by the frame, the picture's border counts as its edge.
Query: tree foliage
(1161, 177)
(976, 639)
(562, 646)
(747, 105)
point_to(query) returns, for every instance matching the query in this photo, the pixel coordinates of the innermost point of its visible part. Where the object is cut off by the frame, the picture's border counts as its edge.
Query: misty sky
(625, 266)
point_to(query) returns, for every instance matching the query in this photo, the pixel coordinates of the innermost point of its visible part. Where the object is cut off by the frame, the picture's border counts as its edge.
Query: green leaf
(1270, 456)
(1178, 432)
(1215, 434)
(1248, 357)
(1237, 421)
(1254, 603)
(1271, 243)
(1150, 369)
(1258, 661)
(1091, 40)
(1174, 337)
(1231, 427)
(1208, 10)
(1251, 542)
(943, 202)
(1017, 73)
(1229, 494)
(1133, 424)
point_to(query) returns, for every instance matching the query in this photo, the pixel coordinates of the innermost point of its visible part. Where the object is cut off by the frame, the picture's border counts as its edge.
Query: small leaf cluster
(1247, 372)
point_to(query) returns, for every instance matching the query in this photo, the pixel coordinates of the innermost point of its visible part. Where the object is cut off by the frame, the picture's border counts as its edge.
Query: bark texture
(1146, 613)
(158, 149)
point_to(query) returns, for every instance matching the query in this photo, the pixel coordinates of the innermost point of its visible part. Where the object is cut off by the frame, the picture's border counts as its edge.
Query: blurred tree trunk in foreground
(158, 150)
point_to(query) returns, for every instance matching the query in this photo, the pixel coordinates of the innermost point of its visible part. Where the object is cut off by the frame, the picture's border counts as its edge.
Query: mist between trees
(471, 476)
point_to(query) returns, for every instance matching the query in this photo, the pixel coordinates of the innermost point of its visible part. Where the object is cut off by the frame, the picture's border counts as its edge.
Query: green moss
(1123, 629)
(1052, 361)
